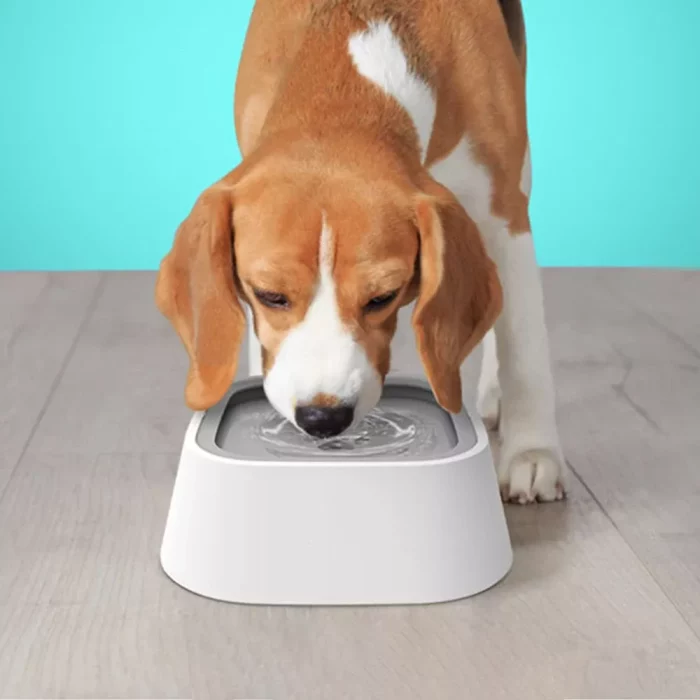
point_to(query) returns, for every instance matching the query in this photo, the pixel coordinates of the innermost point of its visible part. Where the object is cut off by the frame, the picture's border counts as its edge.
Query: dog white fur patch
(468, 180)
(320, 355)
(378, 56)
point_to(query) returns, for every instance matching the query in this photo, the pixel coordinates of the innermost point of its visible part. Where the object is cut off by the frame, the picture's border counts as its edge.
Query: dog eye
(380, 302)
(273, 300)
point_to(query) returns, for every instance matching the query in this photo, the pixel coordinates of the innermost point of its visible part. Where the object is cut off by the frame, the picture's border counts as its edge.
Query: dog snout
(324, 421)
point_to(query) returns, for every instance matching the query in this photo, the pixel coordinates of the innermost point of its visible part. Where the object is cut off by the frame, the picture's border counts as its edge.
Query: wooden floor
(603, 600)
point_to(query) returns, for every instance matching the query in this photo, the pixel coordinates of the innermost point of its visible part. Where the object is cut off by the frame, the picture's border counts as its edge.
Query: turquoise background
(114, 115)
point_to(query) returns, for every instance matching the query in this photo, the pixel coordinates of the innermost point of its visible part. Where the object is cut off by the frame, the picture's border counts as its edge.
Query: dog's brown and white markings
(517, 358)
(386, 162)
(320, 356)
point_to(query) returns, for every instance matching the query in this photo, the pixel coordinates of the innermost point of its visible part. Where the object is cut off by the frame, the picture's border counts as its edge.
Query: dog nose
(324, 421)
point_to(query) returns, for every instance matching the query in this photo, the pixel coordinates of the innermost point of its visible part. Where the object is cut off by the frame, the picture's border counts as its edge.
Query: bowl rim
(480, 443)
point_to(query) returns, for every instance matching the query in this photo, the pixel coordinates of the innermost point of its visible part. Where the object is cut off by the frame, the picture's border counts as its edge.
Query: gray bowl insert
(407, 425)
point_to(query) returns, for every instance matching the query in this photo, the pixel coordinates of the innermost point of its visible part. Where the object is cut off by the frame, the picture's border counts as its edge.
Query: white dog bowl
(405, 508)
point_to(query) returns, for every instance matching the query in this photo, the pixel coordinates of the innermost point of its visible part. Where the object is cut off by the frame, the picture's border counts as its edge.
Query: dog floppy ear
(459, 296)
(195, 290)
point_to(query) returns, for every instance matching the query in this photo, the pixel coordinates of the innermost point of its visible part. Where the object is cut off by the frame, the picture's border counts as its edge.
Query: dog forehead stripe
(378, 56)
(325, 251)
(323, 315)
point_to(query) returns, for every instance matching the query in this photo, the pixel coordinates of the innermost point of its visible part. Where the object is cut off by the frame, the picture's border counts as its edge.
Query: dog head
(325, 259)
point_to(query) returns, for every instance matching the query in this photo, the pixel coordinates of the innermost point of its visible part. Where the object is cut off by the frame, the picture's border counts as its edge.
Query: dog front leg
(531, 466)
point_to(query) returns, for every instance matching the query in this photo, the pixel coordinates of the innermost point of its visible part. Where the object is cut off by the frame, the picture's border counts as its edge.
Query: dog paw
(532, 476)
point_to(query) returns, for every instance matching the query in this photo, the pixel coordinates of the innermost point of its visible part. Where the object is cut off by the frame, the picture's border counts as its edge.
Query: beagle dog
(386, 163)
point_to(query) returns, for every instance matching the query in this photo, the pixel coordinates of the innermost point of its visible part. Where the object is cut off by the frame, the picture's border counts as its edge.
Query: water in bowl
(382, 432)
(406, 423)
